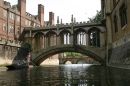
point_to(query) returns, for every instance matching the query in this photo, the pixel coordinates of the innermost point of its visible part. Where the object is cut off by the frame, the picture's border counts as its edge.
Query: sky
(81, 9)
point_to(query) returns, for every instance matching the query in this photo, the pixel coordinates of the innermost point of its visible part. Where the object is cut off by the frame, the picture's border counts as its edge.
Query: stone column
(102, 40)
(33, 43)
(71, 38)
(58, 40)
(45, 44)
(87, 39)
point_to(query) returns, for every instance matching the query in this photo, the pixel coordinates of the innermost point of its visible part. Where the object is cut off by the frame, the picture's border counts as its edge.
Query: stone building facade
(13, 19)
(116, 14)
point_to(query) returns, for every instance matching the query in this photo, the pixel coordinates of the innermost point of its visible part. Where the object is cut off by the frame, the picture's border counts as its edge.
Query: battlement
(7, 4)
(70, 24)
(10, 42)
(35, 17)
(15, 7)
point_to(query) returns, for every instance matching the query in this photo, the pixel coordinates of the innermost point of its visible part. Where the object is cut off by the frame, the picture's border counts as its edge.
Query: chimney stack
(51, 18)
(41, 14)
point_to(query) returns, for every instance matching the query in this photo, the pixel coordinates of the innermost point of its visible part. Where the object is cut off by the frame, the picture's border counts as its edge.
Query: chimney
(22, 7)
(41, 14)
(51, 18)
(1, 2)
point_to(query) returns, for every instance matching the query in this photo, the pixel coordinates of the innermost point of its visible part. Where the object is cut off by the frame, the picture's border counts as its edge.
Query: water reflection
(66, 75)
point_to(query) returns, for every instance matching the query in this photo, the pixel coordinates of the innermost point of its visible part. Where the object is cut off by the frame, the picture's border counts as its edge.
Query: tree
(96, 18)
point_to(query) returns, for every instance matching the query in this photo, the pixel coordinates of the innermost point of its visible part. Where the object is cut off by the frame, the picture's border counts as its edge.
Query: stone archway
(81, 62)
(93, 52)
(68, 62)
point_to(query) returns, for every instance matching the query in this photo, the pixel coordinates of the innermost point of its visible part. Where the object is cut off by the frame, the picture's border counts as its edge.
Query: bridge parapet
(69, 25)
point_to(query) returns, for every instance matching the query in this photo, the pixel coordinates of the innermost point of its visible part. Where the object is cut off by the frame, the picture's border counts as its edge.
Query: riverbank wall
(12, 51)
(119, 55)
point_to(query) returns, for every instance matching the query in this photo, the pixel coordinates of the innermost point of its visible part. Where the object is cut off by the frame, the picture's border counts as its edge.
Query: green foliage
(96, 18)
(72, 54)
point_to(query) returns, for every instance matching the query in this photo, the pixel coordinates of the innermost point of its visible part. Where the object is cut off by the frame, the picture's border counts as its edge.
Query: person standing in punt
(28, 59)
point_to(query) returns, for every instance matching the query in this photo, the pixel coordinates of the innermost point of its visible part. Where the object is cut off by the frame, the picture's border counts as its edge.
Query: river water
(65, 75)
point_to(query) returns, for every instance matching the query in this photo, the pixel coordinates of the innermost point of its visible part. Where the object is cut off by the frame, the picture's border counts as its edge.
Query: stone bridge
(86, 38)
(96, 53)
(77, 60)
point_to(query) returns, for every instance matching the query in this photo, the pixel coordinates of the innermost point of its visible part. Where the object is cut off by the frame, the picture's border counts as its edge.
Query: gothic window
(115, 24)
(51, 38)
(18, 32)
(11, 30)
(66, 38)
(39, 40)
(94, 37)
(5, 13)
(26, 22)
(12, 15)
(18, 18)
(4, 27)
(123, 16)
(29, 23)
(81, 38)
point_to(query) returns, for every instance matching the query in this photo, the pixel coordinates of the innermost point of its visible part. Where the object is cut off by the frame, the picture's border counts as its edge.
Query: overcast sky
(81, 9)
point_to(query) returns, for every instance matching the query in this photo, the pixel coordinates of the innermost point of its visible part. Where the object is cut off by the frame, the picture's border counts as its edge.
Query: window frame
(115, 23)
(123, 15)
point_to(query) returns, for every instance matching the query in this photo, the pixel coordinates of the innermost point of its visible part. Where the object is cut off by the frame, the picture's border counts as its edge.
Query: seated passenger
(19, 63)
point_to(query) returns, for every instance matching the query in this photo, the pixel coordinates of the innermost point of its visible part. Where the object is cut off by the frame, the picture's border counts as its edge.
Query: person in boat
(19, 63)
(28, 59)
(23, 63)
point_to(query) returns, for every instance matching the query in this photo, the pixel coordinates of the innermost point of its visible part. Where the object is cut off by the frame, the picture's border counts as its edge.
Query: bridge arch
(81, 61)
(68, 61)
(39, 56)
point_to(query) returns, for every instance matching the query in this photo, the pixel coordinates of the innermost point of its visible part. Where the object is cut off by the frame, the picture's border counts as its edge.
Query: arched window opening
(39, 41)
(94, 37)
(65, 37)
(81, 38)
(51, 39)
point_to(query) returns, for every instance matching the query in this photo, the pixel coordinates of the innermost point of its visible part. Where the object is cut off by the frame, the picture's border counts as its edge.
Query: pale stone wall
(50, 62)
(7, 54)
